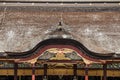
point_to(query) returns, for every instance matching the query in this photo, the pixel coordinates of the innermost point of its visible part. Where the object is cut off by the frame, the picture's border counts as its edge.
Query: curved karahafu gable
(37, 50)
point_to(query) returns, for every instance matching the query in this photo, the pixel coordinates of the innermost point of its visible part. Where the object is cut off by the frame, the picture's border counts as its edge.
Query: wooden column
(45, 72)
(86, 72)
(75, 71)
(33, 71)
(45, 69)
(104, 72)
(15, 70)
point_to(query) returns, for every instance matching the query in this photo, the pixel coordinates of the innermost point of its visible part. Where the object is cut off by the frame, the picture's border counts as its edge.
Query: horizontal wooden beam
(28, 72)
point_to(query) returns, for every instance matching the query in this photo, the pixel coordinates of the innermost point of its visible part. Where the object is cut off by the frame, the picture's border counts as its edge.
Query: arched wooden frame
(42, 50)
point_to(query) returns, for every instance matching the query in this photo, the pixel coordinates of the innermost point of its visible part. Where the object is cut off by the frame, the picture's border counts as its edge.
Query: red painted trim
(33, 71)
(59, 46)
(33, 77)
(86, 77)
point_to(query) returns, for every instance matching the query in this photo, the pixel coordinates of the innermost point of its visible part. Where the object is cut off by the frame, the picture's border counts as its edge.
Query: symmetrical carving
(59, 54)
